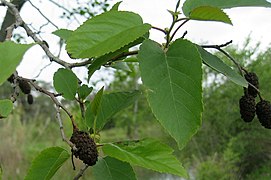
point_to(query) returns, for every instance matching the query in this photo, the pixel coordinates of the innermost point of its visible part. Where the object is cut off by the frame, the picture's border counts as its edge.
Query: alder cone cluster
(86, 147)
(247, 103)
(263, 111)
(247, 107)
(252, 78)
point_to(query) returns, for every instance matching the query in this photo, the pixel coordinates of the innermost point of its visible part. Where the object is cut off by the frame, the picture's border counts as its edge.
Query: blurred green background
(225, 147)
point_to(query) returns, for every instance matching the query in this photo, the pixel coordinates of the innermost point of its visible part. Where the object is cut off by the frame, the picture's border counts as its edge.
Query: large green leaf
(111, 104)
(110, 168)
(218, 65)
(11, 55)
(66, 83)
(189, 5)
(148, 153)
(45, 165)
(174, 86)
(106, 33)
(208, 13)
(6, 106)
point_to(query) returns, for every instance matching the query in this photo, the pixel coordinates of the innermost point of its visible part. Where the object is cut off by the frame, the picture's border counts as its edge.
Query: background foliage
(224, 147)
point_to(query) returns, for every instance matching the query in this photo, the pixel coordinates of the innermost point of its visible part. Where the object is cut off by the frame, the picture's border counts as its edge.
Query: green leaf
(218, 65)
(148, 153)
(116, 6)
(106, 33)
(97, 63)
(208, 13)
(121, 66)
(63, 33)
(96, 103)
(110, 168)
(111, 104)
(11, 56)
(6, 106)
(83, 91)
(189, 5)
(65, 82)
(45, 165)
(174, 86)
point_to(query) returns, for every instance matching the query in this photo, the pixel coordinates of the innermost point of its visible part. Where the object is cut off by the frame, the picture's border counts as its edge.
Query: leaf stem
(159, 29)
(176, 30)
(169, 37)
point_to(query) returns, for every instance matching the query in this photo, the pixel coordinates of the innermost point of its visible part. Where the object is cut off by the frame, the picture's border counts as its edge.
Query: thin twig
(81, 172)
(20, 22)
(159, 29)
(240, 68)
(217, 46)
(177, 29)
(65, 9)
(62, 129)
(184, 34)
(54, 99)
(42, 70)
(45, 17)
(177, 5)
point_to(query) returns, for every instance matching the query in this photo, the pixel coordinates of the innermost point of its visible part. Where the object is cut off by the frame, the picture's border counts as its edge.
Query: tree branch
(81, 172)
(9, 18)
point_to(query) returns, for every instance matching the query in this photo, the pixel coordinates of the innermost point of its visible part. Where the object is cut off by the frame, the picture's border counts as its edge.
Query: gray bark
(9, 19)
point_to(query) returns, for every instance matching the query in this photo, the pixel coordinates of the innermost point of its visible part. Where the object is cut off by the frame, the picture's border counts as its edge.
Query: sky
(246, 21)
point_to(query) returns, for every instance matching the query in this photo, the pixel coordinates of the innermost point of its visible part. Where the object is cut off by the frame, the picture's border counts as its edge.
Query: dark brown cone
(86, 147)
(263, 111)
(253, 79)
(24, 86)
(30, 99)
(247, 108)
